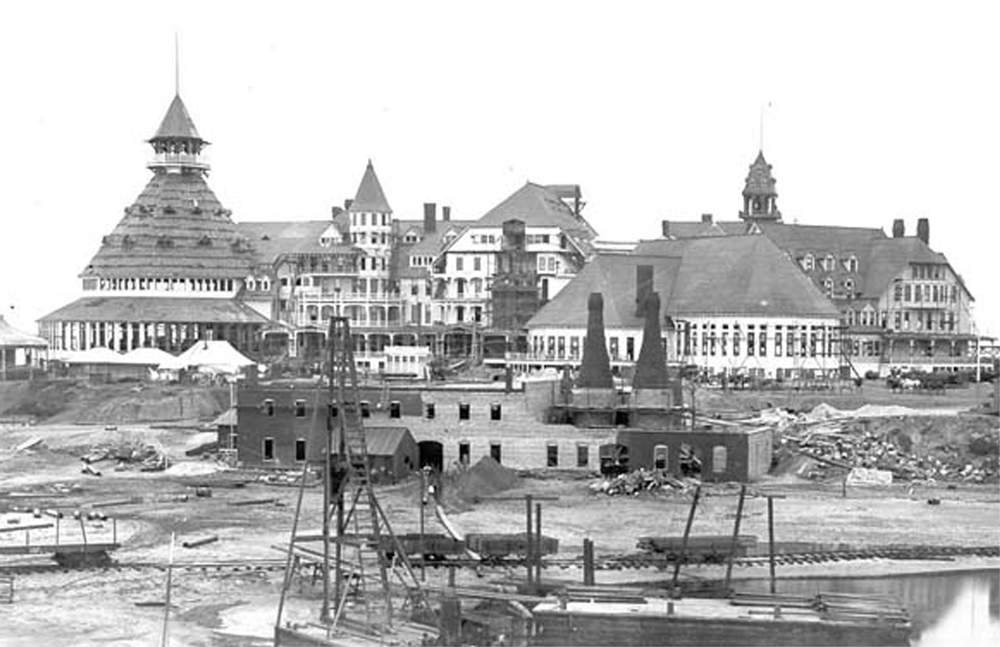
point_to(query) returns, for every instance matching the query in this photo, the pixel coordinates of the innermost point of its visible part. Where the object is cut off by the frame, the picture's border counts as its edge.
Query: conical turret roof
(177, 123)
(370, 196)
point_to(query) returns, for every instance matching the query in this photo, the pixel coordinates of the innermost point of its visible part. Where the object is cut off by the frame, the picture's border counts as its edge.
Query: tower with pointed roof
(760, 198)
(371, 231)
(171, 271)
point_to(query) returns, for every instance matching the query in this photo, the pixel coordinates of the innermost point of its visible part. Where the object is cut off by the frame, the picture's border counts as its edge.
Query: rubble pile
(128, 453)
(642, 480)
(837, 446)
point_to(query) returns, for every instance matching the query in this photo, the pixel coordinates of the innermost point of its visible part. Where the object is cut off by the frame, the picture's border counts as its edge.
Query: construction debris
(643, 480)
(150, 458)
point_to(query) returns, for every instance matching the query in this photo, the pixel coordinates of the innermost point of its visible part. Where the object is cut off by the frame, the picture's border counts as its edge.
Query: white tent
(96, 355)
(148, 356)
(209, 356)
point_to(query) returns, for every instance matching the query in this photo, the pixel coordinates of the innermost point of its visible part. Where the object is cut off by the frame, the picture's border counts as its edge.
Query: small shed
(392, 452)
(20, 353)
(718, 453)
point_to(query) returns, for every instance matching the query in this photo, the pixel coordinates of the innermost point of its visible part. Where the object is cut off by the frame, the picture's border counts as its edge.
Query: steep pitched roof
(759, 180)
(698, 228)
(370, 196)
(175, 228)
(538, 206)
(270, 240)
(737, 275)
(177, 123)
(890, 257)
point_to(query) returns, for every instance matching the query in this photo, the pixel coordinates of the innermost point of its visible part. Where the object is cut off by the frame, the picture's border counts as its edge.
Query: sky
(872, 111)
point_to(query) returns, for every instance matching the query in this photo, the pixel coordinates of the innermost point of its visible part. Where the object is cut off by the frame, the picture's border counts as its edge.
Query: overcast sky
(878, 111)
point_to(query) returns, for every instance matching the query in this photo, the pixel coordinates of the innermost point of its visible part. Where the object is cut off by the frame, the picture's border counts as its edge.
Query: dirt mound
(485, 478)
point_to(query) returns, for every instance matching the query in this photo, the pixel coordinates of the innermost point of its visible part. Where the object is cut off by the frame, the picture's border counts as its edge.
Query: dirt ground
(99, 607)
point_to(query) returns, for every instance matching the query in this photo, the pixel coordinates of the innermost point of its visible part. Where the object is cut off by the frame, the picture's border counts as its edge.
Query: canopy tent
(96, 355)
(11, 337)
(209, 356)
(148, 356)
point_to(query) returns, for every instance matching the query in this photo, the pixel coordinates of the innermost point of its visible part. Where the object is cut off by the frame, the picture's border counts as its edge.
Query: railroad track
(604, 562)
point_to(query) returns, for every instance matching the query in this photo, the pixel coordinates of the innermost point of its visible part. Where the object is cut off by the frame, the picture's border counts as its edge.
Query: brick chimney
(445, 214)
(651, 369)
(898, 228)
(643, 287)
(347, 203)
(430, 217)
(706, 218)
(924, 230)
(665, 228)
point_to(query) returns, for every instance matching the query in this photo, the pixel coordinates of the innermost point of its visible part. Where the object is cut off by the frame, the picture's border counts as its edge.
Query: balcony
(177, 160)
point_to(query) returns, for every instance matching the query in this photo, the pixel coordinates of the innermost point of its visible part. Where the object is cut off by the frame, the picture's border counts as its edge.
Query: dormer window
(851, 263)
(829, 263)
(828, 287)
(808, 262)
(849, 287)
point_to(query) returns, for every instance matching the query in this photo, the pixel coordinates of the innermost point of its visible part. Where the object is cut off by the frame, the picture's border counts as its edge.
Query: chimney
(430, 217)
(347, 203)
(898, 228)
(651, 369)
(924, 230)
(445, 214)
(706, 218)
(665, 227)
(595, 368)
(643, 286)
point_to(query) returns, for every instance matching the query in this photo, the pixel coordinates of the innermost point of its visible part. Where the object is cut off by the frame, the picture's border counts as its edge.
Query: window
(777, 344)
(828, 286)
(763, 341)
(464, 450)
(463, 410)
(808, 262)
(268, 407)
(495, 411)
(582, 455)
(552, 455)
(269, 449)
(395, 409)
(849, 287)
(459, 263)
(366, 410)
(496, 452)
(300, 408)
(300, 450)
(718, 459)
(829, 263)
(477, 264)
(613, 351)
(429, 411)
(660, 455)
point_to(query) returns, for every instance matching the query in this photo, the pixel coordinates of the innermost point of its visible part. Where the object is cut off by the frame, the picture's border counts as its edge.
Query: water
(948, 608)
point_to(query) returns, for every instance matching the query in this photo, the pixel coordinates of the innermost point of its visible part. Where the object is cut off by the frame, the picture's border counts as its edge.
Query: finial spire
(177, 66)
(763, 107)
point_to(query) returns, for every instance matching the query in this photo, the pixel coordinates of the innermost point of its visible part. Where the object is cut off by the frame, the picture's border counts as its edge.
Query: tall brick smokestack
(651, 369)
(643, 287)
(595, 370)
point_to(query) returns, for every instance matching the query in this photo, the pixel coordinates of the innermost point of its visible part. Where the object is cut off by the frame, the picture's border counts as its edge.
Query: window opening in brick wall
(464, 452)
(496, 452)
(552, 455)
(268, 407)
(582, 455)
(661, 453)
(269, 449)
(463, 410)
(366, 410)
(429, 410)
(300, 450)
(300, 408)
(495, 411)
(719, 459)
(395, 409)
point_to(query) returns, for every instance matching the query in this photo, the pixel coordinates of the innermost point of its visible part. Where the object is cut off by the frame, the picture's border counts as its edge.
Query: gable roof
(737, 275)
(538, 206)
(177, 123)
(890, 257)
(270, 240)
(370, 196)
